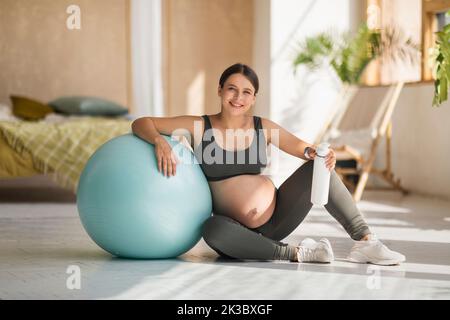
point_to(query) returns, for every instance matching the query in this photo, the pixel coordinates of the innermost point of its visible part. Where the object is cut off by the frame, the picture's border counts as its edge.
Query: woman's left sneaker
(375, 252)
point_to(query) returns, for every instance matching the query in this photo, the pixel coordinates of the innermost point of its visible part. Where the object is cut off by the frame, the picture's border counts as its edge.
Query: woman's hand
(330, 159)
(167, 161)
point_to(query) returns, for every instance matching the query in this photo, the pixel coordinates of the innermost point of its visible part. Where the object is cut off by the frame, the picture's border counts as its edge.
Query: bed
(57, 145)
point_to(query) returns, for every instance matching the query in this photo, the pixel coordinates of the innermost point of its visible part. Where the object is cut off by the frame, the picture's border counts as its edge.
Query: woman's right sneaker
(311, 251)
(375, 252)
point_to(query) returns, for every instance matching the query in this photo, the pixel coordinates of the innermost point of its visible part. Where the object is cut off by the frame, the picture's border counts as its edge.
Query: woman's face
(237, 94)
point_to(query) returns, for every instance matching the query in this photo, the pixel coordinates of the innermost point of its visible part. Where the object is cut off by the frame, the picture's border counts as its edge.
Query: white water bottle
(321, 176)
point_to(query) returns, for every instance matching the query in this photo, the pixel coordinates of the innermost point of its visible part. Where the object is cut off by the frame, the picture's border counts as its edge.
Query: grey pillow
(78, 105)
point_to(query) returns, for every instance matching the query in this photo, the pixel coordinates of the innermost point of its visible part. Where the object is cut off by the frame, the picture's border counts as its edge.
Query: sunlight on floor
(39, 241)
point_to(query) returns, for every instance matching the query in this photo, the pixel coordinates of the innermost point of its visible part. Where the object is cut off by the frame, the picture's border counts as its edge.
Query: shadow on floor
(426, 253)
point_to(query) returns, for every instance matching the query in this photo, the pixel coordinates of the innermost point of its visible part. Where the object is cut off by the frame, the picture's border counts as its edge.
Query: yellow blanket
(62, 148)
(13, 164)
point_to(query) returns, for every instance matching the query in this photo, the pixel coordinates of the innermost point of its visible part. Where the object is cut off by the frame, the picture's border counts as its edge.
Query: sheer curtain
(146, 48)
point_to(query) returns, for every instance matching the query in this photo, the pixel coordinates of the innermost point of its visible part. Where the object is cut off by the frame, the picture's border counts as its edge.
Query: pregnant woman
(250, 215)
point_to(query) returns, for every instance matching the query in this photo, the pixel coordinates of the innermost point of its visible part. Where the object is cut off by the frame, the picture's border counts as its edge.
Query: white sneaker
(308, 242)
(375, 252)
(311, 251)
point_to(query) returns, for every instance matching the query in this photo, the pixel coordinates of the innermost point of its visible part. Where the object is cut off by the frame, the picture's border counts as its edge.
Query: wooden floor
(41, 240)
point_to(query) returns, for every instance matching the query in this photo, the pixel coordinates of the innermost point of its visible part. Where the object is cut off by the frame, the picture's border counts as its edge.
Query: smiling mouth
(236, 105)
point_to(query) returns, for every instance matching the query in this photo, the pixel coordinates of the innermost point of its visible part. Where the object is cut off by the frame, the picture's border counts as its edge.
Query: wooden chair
(355, 132)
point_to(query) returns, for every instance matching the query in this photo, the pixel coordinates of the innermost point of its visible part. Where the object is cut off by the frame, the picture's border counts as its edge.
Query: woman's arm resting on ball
(284, 140)
(151, 128)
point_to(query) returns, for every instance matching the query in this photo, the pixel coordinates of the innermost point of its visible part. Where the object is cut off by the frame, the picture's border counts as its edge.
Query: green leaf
(446, 28)
(443, 90)
(442, 61)
(349, 55)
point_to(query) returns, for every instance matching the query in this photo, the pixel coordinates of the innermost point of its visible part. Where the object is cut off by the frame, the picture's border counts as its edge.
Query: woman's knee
(336, 182)
(301, 178)
(308, 166)
(334, 175)
(306, 170)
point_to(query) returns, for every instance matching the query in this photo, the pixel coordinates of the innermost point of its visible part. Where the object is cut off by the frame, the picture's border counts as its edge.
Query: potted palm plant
(350, 55)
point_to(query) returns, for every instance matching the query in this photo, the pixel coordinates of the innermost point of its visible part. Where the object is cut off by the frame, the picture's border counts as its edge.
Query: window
(433, 20)
(401, 21)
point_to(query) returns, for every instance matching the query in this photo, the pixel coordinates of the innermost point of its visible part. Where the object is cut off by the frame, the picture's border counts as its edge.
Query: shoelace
(305, 254)
(380, 246)
(384, 248)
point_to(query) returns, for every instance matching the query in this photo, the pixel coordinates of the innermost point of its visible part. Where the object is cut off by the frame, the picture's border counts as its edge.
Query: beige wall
(201, 38)
(42, 59)
(261, 55)
(420, 144)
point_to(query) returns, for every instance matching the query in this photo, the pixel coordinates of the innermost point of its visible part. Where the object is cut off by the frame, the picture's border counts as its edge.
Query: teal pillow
(91, 106)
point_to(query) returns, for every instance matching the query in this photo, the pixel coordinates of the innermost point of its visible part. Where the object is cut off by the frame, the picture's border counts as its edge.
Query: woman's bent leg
(294, 203)
(343, 208)
(229, 238)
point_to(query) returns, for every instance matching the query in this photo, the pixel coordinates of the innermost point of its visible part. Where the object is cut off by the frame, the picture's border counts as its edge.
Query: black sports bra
(218, 164)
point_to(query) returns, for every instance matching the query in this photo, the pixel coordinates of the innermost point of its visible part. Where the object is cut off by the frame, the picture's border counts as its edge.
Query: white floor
(41, 241)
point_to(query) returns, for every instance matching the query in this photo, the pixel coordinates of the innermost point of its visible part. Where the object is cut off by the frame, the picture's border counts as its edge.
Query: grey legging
(231, 239)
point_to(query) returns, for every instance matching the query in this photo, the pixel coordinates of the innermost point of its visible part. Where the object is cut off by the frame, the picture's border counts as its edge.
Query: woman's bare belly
(248, 199)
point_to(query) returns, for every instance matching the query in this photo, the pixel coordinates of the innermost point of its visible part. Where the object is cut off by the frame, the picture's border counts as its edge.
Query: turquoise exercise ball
(132, 210)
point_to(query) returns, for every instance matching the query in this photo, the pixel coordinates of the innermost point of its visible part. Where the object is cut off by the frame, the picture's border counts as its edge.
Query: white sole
(358, 257)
